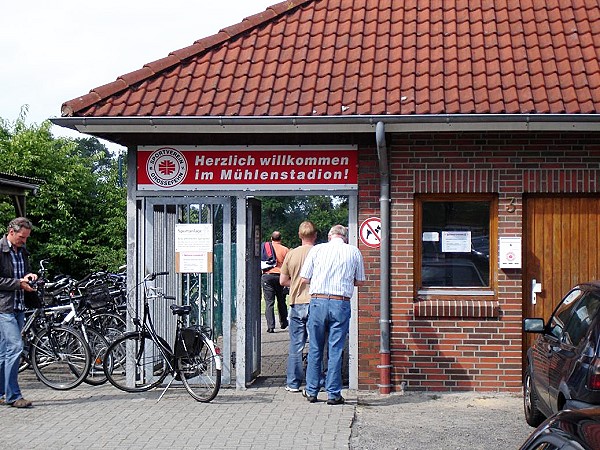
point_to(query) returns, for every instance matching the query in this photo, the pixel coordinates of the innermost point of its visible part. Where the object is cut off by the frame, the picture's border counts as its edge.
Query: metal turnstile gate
(212, 293)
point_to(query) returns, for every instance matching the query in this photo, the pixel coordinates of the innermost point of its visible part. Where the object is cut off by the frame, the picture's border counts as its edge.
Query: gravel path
(420, 420)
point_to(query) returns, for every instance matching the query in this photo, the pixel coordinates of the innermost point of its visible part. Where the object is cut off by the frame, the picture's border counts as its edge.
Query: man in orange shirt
(272, 289)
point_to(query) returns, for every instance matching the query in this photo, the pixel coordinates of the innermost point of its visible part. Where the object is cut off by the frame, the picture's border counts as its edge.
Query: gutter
(332, 124)
(385, 367)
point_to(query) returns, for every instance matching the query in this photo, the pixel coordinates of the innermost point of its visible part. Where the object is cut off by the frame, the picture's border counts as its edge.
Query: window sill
(460, 308)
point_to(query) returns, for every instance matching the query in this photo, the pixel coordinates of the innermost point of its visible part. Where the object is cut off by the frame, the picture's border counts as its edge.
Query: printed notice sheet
(193, 247)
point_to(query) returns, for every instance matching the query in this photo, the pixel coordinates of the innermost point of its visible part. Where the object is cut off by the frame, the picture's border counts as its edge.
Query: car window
(563, 312)
(553, 441)
(545, 446)
(582, 317)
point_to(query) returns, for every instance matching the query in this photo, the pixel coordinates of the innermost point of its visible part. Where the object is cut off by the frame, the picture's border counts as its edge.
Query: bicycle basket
(98, 297)
(192, 342)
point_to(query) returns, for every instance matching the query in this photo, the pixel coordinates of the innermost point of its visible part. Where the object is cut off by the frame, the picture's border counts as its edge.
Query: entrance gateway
(192, 212)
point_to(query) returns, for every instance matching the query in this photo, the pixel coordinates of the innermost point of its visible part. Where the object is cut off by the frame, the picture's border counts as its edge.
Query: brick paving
(264, 416)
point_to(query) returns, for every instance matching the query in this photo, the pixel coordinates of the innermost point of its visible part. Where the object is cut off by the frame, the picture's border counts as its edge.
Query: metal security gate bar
(210, 292)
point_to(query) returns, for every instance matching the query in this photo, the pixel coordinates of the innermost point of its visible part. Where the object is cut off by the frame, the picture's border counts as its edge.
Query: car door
(564, 366)
(544, 359)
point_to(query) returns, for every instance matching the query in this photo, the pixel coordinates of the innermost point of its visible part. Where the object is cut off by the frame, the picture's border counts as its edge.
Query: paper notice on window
(194, 236)
(431, 236)
(456, 242)
(194, 262)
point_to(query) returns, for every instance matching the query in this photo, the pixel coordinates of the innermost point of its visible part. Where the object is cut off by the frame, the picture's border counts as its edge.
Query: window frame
(446, 291)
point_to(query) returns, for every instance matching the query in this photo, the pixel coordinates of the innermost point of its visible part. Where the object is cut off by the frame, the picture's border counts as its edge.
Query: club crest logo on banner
(166, 167)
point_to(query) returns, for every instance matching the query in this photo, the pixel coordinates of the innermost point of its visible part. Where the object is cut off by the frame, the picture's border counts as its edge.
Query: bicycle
(96, 341)
(97, 310)
(59, 355)
(66, 311)
(141, 359)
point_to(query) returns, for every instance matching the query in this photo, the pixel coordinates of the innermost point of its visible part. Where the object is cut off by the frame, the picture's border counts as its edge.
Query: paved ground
(419, 420)
(264, 416)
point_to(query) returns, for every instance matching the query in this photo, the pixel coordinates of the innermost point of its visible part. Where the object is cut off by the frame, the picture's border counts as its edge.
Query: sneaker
(291, 389)
(308, 397)
(270, 330)
(21, 403)
(336, 401)
(284, 325)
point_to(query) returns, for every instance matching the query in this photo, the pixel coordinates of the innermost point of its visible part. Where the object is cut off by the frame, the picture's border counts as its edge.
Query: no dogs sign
(370, 232)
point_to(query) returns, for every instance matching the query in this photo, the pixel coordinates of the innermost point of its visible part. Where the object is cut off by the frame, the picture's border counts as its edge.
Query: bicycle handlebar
(152, 276)
(83, 280)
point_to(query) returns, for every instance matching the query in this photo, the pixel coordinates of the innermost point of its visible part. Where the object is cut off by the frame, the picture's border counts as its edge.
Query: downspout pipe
(385, 366)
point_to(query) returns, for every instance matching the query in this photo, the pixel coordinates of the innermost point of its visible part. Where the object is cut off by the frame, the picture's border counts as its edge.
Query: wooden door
(561, 249)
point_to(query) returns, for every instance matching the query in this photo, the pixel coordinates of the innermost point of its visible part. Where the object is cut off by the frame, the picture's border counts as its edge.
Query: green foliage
(79, 212)
(286, 213)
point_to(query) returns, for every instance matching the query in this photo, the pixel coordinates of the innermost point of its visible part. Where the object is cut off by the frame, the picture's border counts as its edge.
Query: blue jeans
(331, 316)
(298, 317)
(11, 346)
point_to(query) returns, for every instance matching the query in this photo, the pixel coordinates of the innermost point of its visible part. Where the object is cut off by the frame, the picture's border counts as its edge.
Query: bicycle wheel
(201, 374)
(98, 346)
(135, 362)
(60, 357)
(111, 326)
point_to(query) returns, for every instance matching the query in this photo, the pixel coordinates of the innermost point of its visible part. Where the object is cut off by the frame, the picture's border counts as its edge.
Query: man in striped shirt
(332, 269)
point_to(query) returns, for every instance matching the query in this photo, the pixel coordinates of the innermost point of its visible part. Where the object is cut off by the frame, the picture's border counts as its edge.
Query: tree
(79, 212)
(286, 213)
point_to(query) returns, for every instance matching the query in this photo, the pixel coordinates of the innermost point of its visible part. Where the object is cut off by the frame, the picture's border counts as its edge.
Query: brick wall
(444, 344)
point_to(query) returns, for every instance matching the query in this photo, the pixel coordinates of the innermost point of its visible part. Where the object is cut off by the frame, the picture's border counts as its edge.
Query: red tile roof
(372, 57)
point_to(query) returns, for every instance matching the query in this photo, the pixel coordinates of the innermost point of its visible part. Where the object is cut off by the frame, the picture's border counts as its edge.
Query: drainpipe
(385, 367)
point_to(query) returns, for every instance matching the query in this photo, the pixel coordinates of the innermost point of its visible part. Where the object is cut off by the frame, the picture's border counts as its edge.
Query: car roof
(595, 284)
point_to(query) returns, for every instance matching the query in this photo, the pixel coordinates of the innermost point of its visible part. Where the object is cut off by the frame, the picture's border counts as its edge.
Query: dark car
(567, 430)
(563, 365)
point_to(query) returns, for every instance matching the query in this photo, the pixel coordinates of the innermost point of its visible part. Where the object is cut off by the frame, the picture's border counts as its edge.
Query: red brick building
(478, 138)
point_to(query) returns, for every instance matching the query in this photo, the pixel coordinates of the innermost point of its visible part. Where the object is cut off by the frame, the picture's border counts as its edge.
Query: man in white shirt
(332, 269)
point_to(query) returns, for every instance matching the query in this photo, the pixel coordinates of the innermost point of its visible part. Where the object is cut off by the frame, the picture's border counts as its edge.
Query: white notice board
(193, 248)
(456, 241)
(510, 253)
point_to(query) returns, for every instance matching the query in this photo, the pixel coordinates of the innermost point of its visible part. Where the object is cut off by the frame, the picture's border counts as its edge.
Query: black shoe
(310, 398)
(336, 401)
(270, 330)
(284, 325)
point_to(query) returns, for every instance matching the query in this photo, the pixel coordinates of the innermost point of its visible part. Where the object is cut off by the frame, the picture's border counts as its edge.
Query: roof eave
(331, 124)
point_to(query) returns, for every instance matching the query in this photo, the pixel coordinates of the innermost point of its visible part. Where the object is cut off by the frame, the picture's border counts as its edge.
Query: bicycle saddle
(181, 310)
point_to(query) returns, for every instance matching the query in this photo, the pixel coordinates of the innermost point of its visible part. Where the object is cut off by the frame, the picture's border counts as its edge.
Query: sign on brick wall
(247, 168)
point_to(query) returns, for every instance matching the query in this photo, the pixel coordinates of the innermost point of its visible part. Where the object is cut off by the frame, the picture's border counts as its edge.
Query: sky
(54, 51)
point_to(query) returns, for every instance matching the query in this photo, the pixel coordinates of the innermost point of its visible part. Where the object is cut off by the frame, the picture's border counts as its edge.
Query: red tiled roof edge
(125, 81)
